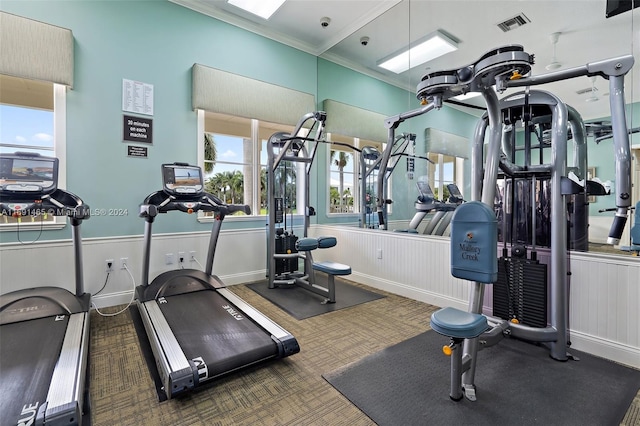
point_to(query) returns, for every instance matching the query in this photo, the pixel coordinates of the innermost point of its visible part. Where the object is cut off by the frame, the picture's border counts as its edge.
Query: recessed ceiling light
(424, 50)
(261, 8)
(466, 96)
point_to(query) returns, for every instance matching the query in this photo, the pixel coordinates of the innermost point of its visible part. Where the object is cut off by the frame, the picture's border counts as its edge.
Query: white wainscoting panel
(604, 299)
(604, 289)
(240, 258)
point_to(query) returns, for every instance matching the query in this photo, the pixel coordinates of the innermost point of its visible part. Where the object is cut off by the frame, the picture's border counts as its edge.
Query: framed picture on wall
(591, 173)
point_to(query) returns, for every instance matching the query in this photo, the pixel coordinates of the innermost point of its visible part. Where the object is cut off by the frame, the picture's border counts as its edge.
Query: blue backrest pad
(306, 244)
(326, 242)
(474, 243)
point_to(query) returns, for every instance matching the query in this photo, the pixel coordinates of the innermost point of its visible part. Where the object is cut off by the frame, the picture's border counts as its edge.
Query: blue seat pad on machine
(453, 322)
(332, 268)
(306, 244)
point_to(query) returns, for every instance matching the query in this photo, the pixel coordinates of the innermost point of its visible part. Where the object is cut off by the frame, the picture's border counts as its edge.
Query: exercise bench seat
(452, 322)
(332, 268)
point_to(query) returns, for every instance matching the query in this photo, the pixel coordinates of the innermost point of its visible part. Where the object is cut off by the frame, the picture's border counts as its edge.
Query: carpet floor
(290, 391)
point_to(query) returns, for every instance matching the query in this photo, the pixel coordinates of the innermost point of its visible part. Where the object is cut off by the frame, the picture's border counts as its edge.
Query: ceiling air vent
(513, 23)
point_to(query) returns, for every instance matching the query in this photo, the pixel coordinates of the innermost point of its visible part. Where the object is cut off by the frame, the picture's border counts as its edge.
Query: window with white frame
(234, 158)
(33, 120)
(344, 174)
(445, 170)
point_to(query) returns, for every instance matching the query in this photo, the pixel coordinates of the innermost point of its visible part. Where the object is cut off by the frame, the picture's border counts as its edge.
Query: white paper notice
(137, 97)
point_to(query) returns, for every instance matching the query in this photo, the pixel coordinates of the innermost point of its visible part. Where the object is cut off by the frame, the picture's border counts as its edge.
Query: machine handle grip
(232, 208)
(617, 227)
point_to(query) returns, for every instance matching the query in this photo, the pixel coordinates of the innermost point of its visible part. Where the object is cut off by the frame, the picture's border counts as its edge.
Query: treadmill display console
(182, 179)
(28, 174)
(425, 190)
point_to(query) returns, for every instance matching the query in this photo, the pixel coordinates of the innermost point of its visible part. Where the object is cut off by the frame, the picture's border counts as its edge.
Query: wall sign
(137, 151)
(137, 129)
(137, 97)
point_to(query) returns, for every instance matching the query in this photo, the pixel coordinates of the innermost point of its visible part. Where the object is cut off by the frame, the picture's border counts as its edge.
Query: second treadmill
(198, 329)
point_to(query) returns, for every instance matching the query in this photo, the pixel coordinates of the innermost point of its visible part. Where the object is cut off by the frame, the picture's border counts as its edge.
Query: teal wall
(157, 42)
(154, 42)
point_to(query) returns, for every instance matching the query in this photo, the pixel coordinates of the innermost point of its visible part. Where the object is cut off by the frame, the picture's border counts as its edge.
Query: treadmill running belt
(215, 332)
(29, 351)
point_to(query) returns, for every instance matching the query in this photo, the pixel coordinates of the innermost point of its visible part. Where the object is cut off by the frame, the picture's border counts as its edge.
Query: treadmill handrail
(58, 203)
(161, 202)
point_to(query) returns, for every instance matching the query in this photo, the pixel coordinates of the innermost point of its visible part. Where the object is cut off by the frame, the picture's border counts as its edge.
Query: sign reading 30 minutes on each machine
(137, 129)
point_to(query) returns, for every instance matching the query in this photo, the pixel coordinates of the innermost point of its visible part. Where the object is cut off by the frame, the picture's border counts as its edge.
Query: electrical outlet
(123, 262)
(181, 258)
(379, 253)
(192, 256)
(169, 259)
(108, 265)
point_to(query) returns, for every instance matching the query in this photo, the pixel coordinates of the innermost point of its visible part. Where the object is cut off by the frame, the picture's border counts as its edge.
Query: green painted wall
(154, 42)
(157, 42)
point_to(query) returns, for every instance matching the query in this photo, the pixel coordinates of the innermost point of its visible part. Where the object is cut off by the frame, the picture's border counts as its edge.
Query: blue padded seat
(306, 244)
(459, 324)
(326, 242)
(332, 268)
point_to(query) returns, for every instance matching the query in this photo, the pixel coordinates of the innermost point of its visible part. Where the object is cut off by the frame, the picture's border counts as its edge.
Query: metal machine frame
(301, 150)
(503, 68)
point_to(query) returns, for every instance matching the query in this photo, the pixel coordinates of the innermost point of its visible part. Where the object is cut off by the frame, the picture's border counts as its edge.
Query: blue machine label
(474, 243)
(468, 250)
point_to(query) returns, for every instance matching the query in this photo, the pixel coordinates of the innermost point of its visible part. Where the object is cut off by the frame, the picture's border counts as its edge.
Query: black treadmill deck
(29, 351)
(214, 333)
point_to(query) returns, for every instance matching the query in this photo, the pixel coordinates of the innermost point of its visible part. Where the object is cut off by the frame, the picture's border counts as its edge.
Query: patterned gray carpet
(285, 392)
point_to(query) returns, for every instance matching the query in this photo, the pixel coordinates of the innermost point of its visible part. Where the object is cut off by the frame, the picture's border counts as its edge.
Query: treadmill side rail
(65, 398)
(176, 372)
(287, 344)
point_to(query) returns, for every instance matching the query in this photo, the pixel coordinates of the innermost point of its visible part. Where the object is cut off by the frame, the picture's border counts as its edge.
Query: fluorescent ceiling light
(261, 8)
(424, 50)
(466, 96)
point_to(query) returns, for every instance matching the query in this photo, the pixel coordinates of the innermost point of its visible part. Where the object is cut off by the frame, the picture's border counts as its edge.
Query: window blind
(35, 50)
(215, 90)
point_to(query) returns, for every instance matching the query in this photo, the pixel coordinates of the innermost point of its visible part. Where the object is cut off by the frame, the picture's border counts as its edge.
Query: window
(345, 174)
(234, 158)
(33, 120)
(342, 179)
(444, 170)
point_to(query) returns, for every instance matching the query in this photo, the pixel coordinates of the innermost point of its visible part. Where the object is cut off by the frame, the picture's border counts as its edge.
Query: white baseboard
(123, 297)
(597, 346)
(614, 351)
(407, 291)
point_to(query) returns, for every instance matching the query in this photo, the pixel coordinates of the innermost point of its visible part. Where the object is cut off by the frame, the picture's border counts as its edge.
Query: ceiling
(585, 36)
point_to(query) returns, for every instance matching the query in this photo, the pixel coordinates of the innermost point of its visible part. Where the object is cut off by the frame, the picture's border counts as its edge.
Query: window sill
(244, 218)
(31, 226)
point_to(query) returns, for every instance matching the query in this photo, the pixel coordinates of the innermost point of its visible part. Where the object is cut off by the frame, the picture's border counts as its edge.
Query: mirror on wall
(560, 35)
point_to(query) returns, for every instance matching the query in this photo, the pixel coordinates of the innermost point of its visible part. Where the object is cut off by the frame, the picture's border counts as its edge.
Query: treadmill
(198, 329)
(44, 331)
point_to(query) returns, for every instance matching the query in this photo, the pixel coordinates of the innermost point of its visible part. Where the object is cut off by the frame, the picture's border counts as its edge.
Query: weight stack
(286, 244)
(521, 291)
